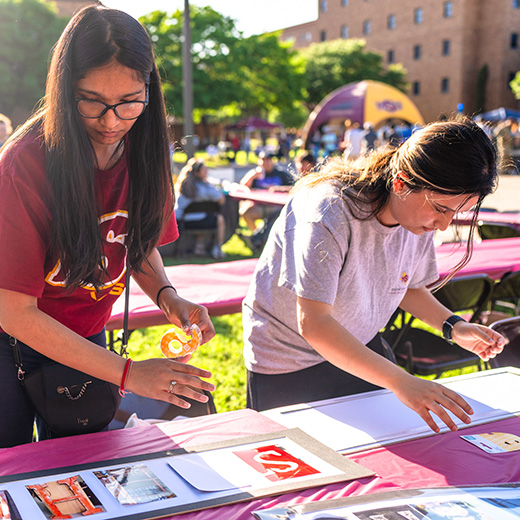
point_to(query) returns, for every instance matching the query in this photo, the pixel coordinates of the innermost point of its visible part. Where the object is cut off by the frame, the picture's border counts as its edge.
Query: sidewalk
(507, 195)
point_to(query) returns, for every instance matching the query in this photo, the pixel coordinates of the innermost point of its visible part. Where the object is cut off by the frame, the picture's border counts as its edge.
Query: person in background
(329, 141)
(85, 194)
(192, 186)
(369, 142)
(267, 176)
(354, 243)
(6, 129)
(352, 139)
(304, 163)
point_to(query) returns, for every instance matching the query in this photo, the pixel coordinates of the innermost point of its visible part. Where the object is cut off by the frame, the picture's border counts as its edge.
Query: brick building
(445, 46)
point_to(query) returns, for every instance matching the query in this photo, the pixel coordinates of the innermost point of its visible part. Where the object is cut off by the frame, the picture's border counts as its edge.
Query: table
(221, 287)
(490, 217)
(438, 460)
(267, 197)
(492, 257)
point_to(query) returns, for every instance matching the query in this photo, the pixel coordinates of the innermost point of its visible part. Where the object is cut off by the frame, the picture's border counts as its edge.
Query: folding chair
(424, 353)
(505, 300)
(186, 234)
(489, 230)
(510, 356)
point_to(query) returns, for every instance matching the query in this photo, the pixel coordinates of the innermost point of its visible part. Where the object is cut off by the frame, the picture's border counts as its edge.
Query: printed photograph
(134, 485)
(275, 463)
(69, 496)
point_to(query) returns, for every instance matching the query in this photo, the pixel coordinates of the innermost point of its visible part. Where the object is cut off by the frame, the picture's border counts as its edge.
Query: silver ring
(172, 384)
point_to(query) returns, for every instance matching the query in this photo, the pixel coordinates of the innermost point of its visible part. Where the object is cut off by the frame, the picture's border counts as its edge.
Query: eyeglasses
(127, 110)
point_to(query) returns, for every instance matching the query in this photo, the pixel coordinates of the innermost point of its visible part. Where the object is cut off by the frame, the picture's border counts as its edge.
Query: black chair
(424, 353)
(146, 408)
(492, 230)
(505, 300)
(510, 356)
(187, 235)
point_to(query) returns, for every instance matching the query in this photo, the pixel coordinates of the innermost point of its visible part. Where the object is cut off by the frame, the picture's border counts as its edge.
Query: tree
(515, 85)
(28, 30)
(330, 65)
(232, 75)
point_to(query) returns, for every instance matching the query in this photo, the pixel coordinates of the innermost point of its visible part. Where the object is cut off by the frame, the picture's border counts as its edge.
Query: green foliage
(28, 30)
(515, 85)
(330, 65)
(232, 76)
(213, 37)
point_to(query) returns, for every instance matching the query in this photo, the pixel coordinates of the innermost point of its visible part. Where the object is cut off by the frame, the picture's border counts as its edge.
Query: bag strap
(17, 354)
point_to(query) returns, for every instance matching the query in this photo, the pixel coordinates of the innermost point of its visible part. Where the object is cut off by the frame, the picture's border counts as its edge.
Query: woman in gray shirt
(353, 244)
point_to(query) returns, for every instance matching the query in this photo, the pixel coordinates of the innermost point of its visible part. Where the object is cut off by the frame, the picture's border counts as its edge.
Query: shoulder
(24, 157)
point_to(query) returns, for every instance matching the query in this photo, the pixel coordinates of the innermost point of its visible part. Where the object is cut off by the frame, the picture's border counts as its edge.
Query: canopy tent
(252, 123)
(499, 114)
(360, 102)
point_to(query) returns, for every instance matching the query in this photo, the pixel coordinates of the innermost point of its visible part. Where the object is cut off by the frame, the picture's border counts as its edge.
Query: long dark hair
(452, 157)
(94, 37)
(187, 181)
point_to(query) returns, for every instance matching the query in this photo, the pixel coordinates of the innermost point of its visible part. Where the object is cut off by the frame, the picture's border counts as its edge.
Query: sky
(251, 16)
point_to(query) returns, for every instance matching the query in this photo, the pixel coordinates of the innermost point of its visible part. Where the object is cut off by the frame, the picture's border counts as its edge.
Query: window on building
(516, 4)
(344, 32)
(391, 22)
(344, 3)
(307, 37)
(514, 40)
(367, 27)
(446, 47)
(416, 88)
(323, 6)
(390, 56)
(445, 85)
(323, 36)
(417, 50)
(418, 15)
(448, 9)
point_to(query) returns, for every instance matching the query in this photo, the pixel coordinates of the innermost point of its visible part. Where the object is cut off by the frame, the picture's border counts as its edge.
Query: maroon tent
(252, 123)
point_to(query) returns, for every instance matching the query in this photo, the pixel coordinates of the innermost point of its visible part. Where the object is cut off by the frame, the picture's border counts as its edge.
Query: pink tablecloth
(269, 198)
(492, 257)
(221, 287)
(432, 461)
(490, 217)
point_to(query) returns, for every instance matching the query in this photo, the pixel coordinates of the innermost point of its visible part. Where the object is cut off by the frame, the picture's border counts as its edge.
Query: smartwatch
(447, 327)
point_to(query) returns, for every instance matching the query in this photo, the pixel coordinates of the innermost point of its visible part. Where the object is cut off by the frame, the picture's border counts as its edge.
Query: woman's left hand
(184, 313)
(482, 341)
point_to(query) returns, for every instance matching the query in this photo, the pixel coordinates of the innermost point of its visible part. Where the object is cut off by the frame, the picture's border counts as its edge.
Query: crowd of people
(86, 196)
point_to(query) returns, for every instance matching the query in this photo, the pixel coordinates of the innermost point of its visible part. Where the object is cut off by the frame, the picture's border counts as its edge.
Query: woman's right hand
(153, 378)
(425, 397)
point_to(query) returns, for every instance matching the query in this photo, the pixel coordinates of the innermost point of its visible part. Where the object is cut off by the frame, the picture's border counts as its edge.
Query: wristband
(126, 376)
(447, 327)
(161, 290)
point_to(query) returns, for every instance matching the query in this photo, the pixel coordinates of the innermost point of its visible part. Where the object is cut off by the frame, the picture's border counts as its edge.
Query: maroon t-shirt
(25, 230)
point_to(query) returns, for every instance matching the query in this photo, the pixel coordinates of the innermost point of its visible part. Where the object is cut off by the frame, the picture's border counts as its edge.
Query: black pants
(322, 381)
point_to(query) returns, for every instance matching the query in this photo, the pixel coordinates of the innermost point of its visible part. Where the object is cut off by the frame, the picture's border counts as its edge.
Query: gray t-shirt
(319, 251)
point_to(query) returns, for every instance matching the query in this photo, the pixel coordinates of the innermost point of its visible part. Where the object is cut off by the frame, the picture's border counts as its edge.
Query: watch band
(447, 327)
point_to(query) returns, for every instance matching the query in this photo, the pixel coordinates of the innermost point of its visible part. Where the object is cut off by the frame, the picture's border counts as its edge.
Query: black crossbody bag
(71, 402)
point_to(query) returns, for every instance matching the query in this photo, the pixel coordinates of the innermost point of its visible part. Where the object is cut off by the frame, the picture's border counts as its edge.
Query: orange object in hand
(175, 345)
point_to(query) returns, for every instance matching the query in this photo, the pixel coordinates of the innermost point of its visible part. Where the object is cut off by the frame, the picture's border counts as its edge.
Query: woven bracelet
(126, 376)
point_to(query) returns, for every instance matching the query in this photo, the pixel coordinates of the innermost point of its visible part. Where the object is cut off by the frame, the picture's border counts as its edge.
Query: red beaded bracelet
(124, 379)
